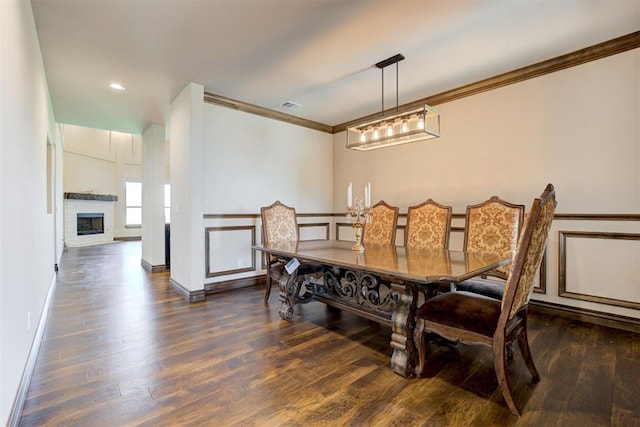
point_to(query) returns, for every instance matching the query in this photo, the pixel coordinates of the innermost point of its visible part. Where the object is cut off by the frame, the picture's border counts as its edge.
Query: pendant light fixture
(399, 128)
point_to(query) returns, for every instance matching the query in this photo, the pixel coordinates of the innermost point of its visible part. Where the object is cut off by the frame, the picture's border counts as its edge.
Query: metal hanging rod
(385, 63)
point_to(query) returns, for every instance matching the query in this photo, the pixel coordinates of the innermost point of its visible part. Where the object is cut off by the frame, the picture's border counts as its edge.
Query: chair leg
(523, 343)
(500, 365)
(267, 290)
(420, 340)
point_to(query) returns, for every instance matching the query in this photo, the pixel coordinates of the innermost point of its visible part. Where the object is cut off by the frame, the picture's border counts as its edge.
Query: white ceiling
(318, 53)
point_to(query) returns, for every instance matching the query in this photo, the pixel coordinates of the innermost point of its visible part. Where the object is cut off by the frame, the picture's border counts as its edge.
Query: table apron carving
(387, 301)
(362, 289)
(381, 284)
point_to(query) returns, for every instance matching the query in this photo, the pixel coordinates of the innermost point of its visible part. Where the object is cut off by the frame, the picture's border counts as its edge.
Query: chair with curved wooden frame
(428, 226)
(279, 224)
(381, 226)
(474, 319)
(493, 227)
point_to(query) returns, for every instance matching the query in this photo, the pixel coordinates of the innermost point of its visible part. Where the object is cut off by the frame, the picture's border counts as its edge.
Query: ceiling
(317, 53)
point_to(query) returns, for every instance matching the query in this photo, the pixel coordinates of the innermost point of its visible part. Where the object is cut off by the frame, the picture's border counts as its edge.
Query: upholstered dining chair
(279, 224)
(475, 319)
(428, 226)
(493, 227)
(381, 227)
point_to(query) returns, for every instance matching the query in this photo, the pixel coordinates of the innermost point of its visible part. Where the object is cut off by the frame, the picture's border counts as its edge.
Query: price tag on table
(292, 265)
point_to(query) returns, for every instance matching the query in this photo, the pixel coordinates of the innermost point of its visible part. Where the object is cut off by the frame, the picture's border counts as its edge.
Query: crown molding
(592, 53)
(578, 57)
(245, 107)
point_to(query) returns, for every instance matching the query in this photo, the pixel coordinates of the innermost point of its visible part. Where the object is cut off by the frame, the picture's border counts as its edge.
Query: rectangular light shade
(409, 126)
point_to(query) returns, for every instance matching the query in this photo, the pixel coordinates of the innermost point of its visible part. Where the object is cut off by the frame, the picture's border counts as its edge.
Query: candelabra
(357, 215)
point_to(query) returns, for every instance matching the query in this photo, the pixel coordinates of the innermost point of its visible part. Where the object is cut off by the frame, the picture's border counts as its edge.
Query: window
(133, 202)
(167, 203)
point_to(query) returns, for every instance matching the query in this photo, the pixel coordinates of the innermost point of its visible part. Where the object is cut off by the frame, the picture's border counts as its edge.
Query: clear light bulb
(420, 122)
(363, 137)
(405, 126)
(376, 134)
(390, 129)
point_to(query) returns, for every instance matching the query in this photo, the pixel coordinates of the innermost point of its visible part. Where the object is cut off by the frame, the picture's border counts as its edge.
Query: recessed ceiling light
(116, 86)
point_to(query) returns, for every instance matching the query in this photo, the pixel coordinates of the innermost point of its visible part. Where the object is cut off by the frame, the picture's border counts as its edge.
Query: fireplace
(88, 219)
(90, 223)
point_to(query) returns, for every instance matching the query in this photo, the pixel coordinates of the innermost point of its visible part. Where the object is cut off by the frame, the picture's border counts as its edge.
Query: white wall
(577, 128)
(185, 148)
(99, 162)
(251, 161)
(27, 242)
(154, 178)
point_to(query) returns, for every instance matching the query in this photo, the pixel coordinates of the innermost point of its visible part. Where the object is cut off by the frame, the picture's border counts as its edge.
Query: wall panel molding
(597, 217)
(552, 286)
(562, 267)
(252, 241)
(557, 216)
(338, 225)
(324, 225)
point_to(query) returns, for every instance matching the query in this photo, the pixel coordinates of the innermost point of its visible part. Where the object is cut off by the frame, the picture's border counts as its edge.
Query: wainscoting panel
(228, 250)
(591, 264)
(344, 231)
(314, 231)
(599, 267)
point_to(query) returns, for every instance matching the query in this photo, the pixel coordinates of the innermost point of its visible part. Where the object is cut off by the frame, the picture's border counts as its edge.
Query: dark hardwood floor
(121, 348)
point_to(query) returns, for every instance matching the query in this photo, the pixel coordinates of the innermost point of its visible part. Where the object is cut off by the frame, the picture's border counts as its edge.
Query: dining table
(383, 283)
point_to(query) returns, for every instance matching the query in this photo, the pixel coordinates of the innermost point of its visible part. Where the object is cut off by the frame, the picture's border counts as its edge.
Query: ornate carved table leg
(287, 294)
(402, 324)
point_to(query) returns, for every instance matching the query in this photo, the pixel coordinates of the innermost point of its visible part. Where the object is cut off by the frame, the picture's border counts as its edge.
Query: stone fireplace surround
(75, 203)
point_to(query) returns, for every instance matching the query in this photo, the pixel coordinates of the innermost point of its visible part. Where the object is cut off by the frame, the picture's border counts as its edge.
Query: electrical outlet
(240, 263)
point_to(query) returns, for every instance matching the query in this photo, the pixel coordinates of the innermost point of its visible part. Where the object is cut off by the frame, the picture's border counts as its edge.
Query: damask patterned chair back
(529, 253)
(428, 226)
(382, 227)
(469, 318)
(493, 227)
(279, 223)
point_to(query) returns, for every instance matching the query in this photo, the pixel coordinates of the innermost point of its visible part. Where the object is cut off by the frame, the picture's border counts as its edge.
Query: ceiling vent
(291, 106)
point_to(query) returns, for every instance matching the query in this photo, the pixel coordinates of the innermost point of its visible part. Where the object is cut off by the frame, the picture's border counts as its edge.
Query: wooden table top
(415, 265)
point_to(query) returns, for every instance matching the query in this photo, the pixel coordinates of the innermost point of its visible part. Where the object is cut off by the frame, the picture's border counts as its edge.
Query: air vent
(288, 105)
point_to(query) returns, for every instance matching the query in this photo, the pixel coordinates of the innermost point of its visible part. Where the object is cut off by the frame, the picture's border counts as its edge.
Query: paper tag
(292, 265)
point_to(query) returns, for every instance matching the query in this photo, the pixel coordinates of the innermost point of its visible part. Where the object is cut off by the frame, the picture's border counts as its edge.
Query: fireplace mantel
(91, 196)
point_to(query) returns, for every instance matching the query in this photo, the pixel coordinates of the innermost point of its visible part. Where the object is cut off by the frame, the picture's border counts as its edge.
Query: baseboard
(214, 288)
(581, 314)
(152, 268)
(127, 238)
(615, 321)
(23, 388)
(189, 296)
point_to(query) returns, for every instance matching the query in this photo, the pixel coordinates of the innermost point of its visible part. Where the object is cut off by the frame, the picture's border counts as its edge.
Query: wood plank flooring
(122, 348)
